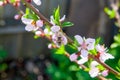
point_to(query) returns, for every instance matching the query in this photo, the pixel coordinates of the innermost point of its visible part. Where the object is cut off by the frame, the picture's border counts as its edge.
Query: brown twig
(105, 65)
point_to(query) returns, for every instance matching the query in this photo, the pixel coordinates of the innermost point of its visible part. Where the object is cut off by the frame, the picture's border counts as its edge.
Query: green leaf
(97, 40)
(117, 38)
(109, 12)
(57, 14)
(118, 68)
(94, 51)
(67, 24)
(118, 76)
(114, 45)
(101, 67)
(71, 49)
(60, 50)
(12, 1)
(29, 14)
(36, 37)
(27, 11)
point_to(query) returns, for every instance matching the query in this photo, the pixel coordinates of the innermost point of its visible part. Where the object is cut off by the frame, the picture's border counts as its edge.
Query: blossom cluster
(37, 26)
(84, 47)
(52, 30)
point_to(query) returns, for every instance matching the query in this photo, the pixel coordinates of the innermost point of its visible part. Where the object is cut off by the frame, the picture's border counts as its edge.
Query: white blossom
(39, 23)
(85, 45)
(103, 53)
(37, 2)
(94, 64)
(82, 60)
(94, 71)
(25, 20)
(38, 33)
(48, 32)
(59, 39)
(73, 57)
(55, 29)
(31, 25)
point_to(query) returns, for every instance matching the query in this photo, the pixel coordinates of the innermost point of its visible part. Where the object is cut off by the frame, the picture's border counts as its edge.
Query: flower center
(84, 45)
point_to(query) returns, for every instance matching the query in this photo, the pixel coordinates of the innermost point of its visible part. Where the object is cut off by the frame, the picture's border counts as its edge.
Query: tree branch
(70, 40)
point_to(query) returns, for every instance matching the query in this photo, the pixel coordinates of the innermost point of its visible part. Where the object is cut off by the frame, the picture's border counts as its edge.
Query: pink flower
(31, 25)
(48, 32)
(25, 20)
(59, 39)
(94, 71)
(55, 29)
(103, 53)
(39, 23)
(73, 57)
(105, 73)
(85, 45)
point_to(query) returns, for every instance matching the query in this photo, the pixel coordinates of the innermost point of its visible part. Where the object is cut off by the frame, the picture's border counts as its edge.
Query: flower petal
(98, 48)
(105, 73)
(105, 56)
(37, 2)
(38, 33)
(79, 48)
(82, 60)
(64, 40)
(94, 72)
(90, 46)
(25, 20)
(90, 40)
(79, 39)
(51, 20)
(29, 27)
(73, 57)
(39, 23)
(84, 53)
(55, 28)
(94, 64)
(63, 18)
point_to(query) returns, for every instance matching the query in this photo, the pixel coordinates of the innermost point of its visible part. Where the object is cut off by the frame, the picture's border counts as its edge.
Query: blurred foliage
(3, 53)
(64, 69)
(115, 47)
(115, 51)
